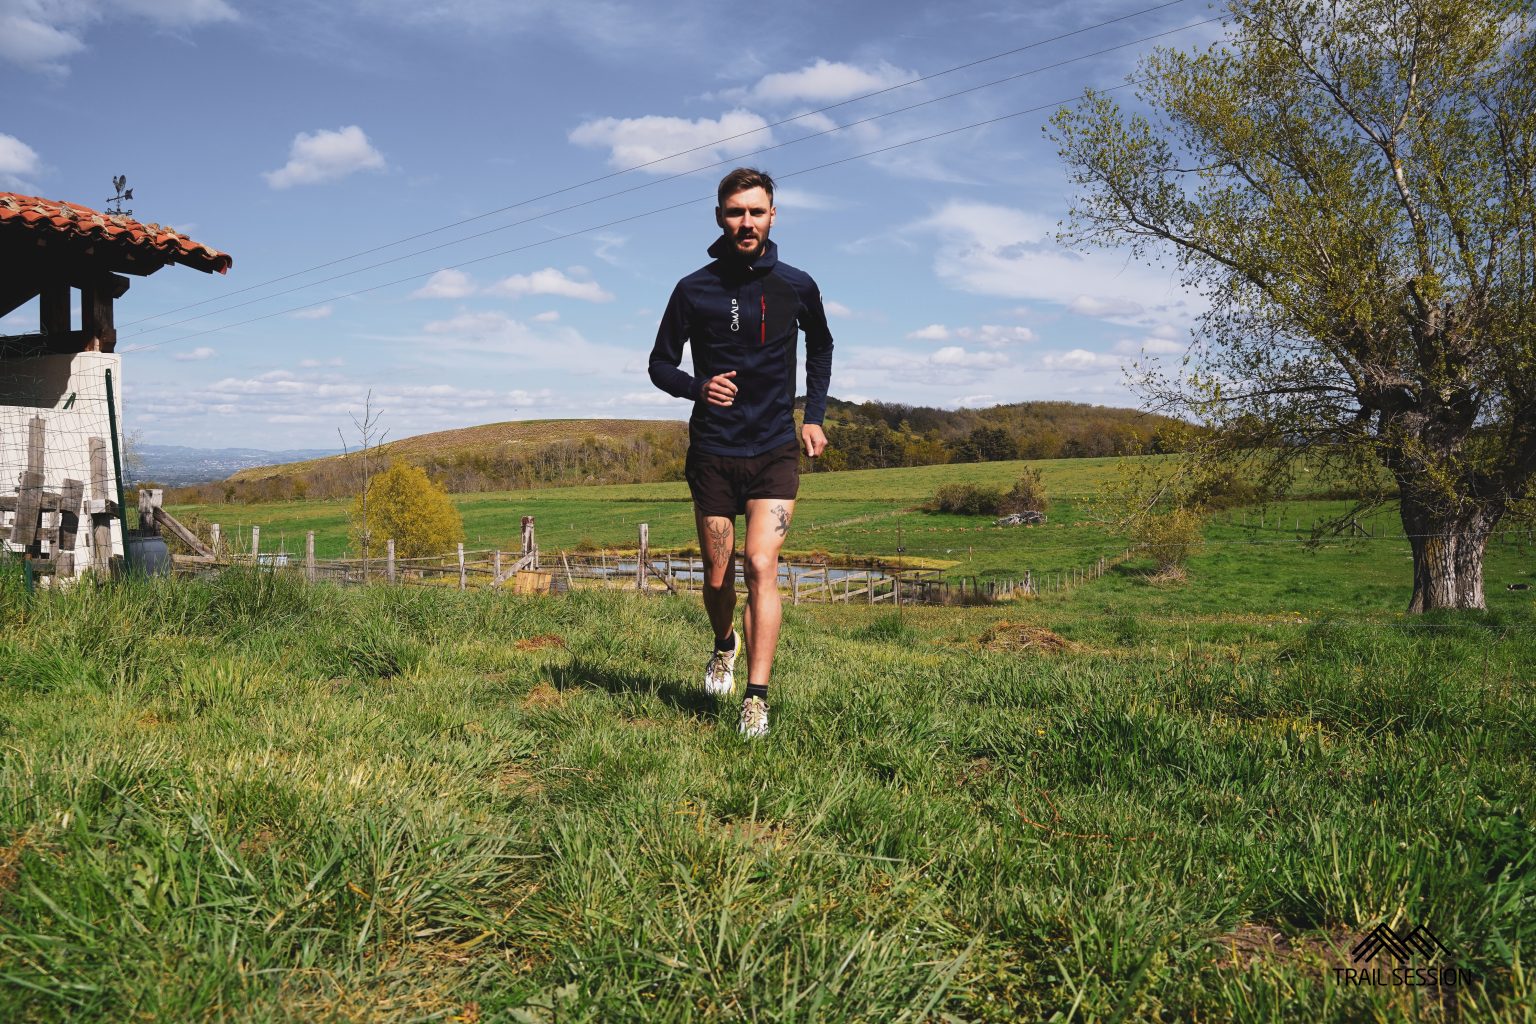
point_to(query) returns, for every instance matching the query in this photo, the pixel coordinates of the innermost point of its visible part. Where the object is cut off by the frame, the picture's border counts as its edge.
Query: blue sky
(291, 135)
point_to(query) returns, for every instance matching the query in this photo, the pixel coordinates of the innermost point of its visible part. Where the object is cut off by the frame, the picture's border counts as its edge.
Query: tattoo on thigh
(720, 540)
(782, 515)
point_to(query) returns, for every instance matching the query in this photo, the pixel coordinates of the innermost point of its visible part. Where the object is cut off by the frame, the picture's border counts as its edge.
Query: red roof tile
(30, 213)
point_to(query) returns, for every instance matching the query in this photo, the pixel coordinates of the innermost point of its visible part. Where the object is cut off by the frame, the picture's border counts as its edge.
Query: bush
(404, 505)
(966, 500)
(1026, 495)
(1169, 537)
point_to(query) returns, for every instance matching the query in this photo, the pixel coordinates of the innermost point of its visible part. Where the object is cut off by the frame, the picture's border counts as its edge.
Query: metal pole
(117, 469)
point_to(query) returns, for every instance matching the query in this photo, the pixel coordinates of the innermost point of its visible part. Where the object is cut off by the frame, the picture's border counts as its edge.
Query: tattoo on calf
(782, 515)
(720, 540)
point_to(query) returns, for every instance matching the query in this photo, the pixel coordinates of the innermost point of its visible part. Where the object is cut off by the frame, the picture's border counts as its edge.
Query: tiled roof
(152, 241)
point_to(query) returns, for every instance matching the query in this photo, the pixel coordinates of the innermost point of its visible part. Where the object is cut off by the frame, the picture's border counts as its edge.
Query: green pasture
(1260, 559)
(251, 799)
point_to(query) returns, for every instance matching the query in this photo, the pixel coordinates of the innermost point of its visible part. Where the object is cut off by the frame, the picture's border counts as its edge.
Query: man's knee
(763, 569)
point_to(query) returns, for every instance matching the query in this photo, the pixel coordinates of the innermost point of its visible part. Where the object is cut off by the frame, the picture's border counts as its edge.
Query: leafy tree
(987, 444)
(404, 505)
(1352, 183)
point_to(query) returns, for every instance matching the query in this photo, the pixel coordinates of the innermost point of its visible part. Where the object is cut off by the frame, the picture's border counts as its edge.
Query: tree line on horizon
(864, 435)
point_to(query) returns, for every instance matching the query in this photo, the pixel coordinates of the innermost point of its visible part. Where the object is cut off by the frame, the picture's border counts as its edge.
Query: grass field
(249, 799)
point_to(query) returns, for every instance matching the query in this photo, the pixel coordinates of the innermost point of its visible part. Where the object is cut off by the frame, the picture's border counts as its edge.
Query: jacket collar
(720, 250)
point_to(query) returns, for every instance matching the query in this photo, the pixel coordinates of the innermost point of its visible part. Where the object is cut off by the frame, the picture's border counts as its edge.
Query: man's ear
(719, 219)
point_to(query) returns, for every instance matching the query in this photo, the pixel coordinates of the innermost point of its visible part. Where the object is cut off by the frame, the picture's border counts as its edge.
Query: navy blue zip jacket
(745, 317)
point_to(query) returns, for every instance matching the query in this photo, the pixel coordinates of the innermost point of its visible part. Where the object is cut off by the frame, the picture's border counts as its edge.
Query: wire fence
(61, 461)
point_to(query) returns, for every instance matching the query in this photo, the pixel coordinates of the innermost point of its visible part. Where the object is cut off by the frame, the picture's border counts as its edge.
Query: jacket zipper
(762, 334)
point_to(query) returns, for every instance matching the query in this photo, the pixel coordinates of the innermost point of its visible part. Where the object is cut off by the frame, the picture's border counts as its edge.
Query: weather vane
(117, 183)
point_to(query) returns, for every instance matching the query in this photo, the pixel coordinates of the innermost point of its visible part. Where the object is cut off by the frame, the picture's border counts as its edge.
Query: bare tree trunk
(1448, 551)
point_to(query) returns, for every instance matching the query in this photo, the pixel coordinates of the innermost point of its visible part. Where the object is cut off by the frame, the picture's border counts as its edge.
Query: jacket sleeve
(818, 355)
(667, 353)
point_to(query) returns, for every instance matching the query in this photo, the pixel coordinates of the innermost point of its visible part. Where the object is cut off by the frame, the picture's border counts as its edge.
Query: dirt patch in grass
(543, 696)
(1257, 941)
(258, 842)
(540, 642)
(519, 777)
(976, 770)
(1021, 636)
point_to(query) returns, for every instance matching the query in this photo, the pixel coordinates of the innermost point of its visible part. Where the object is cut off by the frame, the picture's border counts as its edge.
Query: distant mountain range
(175, 465)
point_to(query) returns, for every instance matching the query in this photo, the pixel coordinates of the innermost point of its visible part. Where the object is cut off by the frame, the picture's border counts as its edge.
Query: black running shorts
(721, 485)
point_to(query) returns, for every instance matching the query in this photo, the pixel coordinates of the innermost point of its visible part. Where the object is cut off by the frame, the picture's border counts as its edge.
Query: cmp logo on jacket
(735, 315)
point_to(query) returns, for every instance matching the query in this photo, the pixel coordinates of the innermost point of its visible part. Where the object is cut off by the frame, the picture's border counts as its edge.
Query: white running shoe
(754, 718)
(720, 673)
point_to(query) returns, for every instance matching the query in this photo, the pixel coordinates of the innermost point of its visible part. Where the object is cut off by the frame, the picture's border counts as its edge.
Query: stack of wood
(44, 526)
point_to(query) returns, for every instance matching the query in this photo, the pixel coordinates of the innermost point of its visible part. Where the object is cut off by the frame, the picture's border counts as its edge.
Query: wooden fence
(640, 569)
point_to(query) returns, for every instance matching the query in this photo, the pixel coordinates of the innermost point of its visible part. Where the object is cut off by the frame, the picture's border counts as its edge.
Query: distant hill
(548, 453)
(177, 465)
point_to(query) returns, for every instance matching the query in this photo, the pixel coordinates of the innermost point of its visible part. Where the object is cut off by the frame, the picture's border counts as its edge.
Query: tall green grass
(250, 799)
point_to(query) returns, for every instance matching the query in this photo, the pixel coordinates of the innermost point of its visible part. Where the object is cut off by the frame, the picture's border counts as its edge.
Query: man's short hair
(740, 180)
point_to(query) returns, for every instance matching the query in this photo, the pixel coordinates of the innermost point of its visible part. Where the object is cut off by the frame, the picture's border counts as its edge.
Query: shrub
(1169, 537)
(404, 505)
(1026, 495)
(966, 500)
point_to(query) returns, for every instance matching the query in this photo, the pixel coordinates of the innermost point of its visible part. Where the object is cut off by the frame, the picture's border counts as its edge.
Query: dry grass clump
(1021, 636)
(1169, 576)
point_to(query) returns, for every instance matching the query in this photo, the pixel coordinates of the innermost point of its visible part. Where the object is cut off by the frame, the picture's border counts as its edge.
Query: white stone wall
(69, 393)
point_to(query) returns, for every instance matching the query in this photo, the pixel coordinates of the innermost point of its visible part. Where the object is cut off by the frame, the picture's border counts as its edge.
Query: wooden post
(309, 556)
(496, 568)
(644, 553)
(389, 560)
(149, 501)
(216, 542)
(255, 545)
(869, 586)
(530, 542)
(463, 581)
(794, 587)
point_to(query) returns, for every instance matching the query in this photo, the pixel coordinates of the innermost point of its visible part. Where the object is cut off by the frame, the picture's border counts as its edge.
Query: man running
(743, 313)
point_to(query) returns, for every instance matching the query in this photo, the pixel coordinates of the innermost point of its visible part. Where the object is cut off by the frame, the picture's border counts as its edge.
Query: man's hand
(813, 439)
(719, 389)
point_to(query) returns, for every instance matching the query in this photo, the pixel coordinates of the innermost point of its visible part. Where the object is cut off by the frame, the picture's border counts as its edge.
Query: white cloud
(314, 313)
(549, 316)
(550, 281)
(933, 332)
(827, 82)
(1080, 360)
(40, 34)
(987, 249)
(1151, 346)
(792, 199)
(1088, 305)
(17, 159)
(954, 355)
(326, 156)
(997, 335)
(651, 139)
(446, 284)
(196, 355)
(836, 308)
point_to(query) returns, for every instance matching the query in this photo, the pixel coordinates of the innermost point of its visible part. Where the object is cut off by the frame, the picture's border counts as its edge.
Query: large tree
(1350, 183)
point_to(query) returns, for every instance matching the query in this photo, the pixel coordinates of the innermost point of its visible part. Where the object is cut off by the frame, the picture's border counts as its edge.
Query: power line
(663, 159)
(621, 220)
(661, 180)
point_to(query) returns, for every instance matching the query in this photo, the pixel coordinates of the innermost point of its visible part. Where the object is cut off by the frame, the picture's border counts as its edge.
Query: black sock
(760, 692)
(721, 645)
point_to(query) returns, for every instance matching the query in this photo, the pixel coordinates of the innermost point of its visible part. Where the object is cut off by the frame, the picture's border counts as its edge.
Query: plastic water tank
(148, 555)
